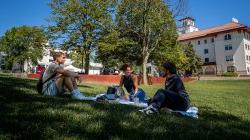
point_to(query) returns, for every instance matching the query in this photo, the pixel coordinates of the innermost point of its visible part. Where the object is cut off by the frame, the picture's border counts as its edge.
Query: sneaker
(77, 95)
(149, 110)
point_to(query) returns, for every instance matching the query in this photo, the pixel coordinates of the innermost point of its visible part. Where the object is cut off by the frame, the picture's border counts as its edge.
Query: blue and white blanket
(191, 112)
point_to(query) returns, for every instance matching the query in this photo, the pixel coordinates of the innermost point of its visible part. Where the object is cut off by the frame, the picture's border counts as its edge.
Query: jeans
(171, 100)
(140, 95)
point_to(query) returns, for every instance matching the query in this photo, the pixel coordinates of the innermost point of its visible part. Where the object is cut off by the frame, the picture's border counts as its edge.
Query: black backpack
(39, 85)
(116, 91)
(113, 93)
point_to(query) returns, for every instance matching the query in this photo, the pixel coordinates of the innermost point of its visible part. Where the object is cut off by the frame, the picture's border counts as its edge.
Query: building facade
(223, 48)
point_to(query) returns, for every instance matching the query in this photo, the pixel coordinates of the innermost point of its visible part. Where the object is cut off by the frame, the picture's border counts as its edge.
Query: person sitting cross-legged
(174, 96)
(130, 82)
(57, 79)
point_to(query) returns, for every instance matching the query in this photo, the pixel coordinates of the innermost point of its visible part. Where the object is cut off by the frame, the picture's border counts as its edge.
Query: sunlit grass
(224, 113)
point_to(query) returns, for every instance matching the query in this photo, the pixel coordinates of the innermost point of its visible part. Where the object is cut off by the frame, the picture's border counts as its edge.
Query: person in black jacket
(174, 96)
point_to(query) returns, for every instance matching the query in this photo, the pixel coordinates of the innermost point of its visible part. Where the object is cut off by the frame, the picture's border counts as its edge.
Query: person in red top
(39, 69)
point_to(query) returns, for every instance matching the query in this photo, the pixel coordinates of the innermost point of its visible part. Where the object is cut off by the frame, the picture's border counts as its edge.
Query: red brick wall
(34, 76)
(101, 79)
(111, 79)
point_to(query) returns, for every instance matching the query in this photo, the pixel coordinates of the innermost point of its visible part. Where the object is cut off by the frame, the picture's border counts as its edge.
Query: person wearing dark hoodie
(174, 96)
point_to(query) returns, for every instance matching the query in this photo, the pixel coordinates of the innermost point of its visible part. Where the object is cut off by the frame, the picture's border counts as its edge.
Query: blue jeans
(140, 95)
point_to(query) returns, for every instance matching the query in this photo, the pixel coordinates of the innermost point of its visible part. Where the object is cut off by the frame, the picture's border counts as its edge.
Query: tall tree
(79, 23)
(194, 61)
(150, 24)
(23, 43)
(174, 54)
(115, 49)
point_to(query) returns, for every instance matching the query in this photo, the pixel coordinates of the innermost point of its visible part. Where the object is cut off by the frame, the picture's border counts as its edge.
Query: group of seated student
(174, 96)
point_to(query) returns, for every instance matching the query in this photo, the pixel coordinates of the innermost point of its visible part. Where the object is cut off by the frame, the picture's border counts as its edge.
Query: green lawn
(224, 113)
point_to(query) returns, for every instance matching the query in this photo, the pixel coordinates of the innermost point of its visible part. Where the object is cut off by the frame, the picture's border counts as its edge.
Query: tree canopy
(79, 23)
(141, 28)
(23, 43)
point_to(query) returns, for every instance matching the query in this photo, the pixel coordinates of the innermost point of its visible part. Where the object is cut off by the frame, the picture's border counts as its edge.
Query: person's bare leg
(74, 82)
(60, 82)
(69, 84)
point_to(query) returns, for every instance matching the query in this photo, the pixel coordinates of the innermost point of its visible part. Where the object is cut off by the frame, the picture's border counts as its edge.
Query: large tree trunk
(145, 43)
(87, 59)
(82, 60)
(144, 69)
(22, 66)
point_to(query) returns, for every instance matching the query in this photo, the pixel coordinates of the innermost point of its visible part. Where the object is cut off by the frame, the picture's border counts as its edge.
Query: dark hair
(125, 66)
(170, 66)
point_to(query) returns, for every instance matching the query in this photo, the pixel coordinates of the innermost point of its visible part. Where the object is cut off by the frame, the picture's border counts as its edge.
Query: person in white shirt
(57, 79)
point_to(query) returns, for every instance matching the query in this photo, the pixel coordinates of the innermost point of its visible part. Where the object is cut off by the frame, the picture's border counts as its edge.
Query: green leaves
(80, 23)
(23, 43)
(194, 61)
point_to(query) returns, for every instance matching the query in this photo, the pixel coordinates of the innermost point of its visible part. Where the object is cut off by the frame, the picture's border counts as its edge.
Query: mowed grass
(224, 113)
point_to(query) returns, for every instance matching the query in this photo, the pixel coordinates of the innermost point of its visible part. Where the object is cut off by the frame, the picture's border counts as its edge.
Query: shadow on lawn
(26, 115)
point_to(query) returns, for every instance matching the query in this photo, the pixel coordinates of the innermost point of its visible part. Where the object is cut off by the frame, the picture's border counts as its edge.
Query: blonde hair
(55, 55)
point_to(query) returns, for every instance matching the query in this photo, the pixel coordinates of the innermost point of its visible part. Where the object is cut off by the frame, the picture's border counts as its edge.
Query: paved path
(222, 78)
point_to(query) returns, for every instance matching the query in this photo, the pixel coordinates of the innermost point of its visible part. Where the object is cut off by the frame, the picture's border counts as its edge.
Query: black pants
(170, 99)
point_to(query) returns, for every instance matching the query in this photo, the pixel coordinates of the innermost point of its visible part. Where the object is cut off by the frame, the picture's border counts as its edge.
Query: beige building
(224, 48)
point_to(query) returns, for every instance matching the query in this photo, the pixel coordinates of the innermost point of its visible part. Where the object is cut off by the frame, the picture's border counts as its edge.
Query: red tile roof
(211, 31)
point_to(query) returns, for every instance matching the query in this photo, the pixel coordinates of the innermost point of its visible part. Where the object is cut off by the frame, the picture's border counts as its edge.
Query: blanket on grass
(191, 112)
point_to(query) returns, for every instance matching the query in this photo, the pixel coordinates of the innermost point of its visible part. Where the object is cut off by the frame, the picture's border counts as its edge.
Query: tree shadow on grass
(26, 115)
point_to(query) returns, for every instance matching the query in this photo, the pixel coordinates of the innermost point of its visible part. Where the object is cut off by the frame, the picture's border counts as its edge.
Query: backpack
(114, 92)
(39, 85)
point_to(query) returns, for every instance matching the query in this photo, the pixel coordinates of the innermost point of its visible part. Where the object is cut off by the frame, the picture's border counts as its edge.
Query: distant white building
(223, 48)
(187, 26)
(94, 69)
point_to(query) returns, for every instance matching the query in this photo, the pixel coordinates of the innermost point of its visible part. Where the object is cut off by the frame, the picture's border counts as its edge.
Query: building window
(199, 42)
(246, 57)
(231, 69)
(212, 40)
(205, 51)
(227, 37)
(205, 41)
(248, 69)
(228, 47)
(206, 60)
(246, 46)
(229, 58)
